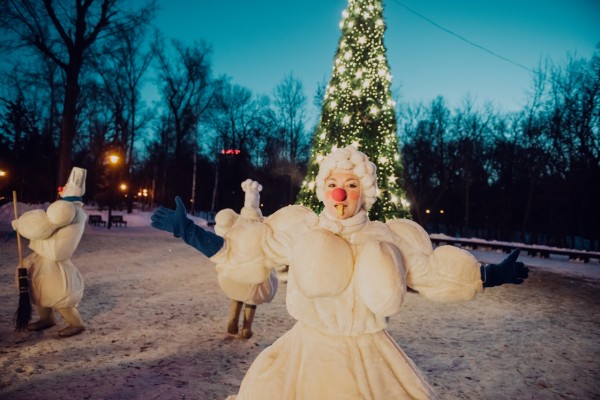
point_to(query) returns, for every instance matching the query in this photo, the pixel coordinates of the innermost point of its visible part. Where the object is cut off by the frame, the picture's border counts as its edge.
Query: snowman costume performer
(347, 275)
(247, 293)
(54, 234)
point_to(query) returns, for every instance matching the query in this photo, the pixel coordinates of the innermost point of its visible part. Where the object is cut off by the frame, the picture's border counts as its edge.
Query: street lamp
(144, 197)
(113, 162)
(3, 178)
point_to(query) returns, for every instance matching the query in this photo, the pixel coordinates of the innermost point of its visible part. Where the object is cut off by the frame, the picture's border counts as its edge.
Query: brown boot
(234, 316)
(70, 331)
(40, 325)
(74, 321)
(249, 312)
(45, 321)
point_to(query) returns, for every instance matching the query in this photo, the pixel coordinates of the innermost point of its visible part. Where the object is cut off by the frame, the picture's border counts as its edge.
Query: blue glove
(174, 221)
(177, 222)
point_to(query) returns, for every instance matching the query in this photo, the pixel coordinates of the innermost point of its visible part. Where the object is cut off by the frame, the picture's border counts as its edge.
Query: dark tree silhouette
(64, 31)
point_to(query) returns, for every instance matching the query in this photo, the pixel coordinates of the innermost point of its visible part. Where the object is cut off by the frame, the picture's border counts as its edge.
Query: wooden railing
(536, 251)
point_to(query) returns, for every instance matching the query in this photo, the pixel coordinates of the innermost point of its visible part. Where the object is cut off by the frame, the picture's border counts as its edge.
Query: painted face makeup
(342, 194)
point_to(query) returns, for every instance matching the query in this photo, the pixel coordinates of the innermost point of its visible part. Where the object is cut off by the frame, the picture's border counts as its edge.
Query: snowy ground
(156, 328)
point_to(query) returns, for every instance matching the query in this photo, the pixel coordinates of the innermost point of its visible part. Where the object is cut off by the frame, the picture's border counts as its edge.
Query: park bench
(96, 220)
(117, 220)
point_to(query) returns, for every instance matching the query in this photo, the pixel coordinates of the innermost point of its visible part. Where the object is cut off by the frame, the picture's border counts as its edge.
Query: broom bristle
(23, 313)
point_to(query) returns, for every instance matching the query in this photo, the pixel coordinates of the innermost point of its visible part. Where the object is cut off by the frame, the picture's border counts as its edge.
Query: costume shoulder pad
(410, 236)
(34, 224)
(224, 221)
(61, 213)
(292, 219)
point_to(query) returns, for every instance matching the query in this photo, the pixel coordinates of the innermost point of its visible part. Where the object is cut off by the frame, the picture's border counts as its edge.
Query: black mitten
(508, 271)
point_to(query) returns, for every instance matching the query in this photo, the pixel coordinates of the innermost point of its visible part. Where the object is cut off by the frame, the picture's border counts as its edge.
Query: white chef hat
(354, 161)
(75, 184)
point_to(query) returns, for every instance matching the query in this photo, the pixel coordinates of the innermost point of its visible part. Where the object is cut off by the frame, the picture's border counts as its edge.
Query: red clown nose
(339, 194)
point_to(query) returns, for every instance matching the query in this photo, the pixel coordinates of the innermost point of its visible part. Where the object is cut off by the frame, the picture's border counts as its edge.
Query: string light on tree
(358, 109)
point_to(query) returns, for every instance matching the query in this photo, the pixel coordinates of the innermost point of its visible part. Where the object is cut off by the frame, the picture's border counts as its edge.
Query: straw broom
(23, 313)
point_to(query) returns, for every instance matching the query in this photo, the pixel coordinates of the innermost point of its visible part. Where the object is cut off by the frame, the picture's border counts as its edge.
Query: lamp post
(144, 198)
(113, 162)
(3, 178)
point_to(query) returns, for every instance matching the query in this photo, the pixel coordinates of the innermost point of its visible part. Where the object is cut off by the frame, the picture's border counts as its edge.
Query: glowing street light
(114, 159)
(3, 179)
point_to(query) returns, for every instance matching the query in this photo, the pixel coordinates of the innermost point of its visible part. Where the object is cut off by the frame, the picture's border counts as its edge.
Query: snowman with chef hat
(55, 284)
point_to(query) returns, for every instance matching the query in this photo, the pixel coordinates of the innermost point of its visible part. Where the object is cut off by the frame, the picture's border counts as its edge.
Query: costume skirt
(306, 364)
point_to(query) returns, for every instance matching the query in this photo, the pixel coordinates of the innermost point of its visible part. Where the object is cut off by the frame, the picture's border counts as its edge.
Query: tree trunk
(68, 126)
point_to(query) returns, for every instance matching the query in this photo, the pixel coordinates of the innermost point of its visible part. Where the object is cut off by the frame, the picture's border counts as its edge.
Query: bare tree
(185, 81)
(290, 106)
(122, 64)
(471, 129)
(187, 90)
(573, 131)
(425, 154)
(64, 31)
(241, 123)
(32, 87)
(241, 120)
(534, 143)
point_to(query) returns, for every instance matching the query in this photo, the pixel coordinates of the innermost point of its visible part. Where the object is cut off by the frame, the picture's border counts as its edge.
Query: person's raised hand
(252, 190)
(174, 221)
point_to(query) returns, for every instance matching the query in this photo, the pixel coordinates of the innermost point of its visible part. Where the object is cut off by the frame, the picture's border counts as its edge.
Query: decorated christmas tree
(358, 110)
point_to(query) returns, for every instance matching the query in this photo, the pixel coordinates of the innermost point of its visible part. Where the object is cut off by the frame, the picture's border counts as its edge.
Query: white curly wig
(354, 161)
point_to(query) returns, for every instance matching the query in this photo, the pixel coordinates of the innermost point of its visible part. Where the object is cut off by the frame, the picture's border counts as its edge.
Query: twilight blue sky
(258, 42)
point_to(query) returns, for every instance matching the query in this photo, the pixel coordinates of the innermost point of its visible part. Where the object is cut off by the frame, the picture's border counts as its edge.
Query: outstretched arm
(177, 222)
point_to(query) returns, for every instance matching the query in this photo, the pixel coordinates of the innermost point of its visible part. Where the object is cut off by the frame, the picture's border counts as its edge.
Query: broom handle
(18, 235)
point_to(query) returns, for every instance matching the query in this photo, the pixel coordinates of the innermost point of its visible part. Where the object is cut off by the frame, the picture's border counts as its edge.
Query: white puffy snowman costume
(346, 276)
(244, 290)
(54, 234)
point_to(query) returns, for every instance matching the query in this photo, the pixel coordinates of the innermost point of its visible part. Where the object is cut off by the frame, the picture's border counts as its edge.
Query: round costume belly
(322, 264)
